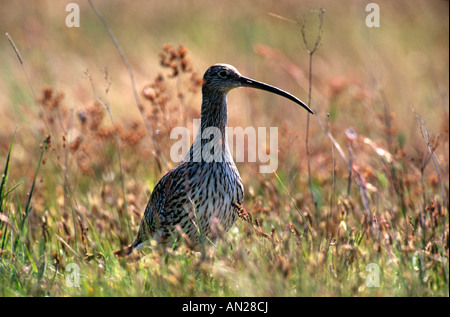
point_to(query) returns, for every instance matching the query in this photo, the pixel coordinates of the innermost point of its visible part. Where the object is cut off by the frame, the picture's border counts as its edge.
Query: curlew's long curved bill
(248, 82)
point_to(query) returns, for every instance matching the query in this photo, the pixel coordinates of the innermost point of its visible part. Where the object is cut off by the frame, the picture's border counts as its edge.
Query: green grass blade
(27, 207)
(6, 170)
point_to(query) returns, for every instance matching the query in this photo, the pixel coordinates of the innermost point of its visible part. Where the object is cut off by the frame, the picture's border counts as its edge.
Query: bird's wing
(168, 195)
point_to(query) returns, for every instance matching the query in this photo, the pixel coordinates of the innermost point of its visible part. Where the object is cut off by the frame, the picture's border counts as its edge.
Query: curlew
(201, 196)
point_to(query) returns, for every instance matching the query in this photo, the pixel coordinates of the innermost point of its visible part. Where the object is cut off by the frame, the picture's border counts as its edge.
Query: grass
(80, 158)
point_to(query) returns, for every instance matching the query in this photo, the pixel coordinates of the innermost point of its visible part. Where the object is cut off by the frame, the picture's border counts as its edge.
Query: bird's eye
(223, 74)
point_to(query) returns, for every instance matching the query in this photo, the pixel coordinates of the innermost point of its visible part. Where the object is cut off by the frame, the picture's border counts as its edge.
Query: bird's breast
(216, 186)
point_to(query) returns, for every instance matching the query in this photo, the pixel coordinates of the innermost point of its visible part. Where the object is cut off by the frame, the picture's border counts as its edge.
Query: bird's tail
(140, 241)
(124, 251)
(128, 250)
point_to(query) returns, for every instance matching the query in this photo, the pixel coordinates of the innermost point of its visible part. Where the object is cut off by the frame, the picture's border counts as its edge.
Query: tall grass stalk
(30, 193)
(107, 107)
(311, 50)
(19, 57)
(160, 158)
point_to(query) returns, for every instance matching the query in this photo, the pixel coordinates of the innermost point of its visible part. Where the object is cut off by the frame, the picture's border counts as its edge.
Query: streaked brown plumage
(206, 189)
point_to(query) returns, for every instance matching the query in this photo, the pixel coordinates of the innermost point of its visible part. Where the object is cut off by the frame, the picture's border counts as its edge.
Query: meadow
(358, 204)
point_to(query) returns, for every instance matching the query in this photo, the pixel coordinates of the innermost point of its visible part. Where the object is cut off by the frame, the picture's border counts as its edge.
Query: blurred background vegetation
(387, 84)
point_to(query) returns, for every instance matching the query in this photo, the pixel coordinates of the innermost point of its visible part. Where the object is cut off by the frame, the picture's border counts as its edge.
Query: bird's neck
(214, 111)
(210, 143)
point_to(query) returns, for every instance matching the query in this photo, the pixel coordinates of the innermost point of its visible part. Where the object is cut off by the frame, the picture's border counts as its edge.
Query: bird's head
(223, 77)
